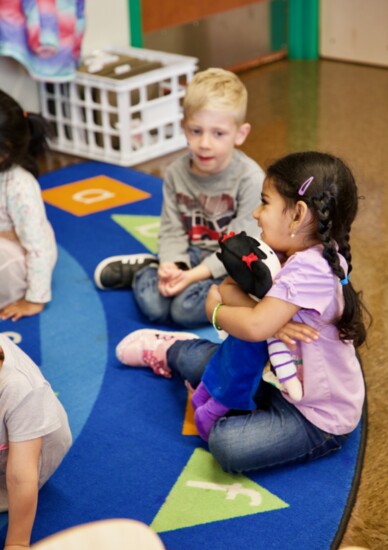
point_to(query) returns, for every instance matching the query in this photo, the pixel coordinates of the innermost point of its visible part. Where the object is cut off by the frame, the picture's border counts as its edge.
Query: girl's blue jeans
(273, 435)
(186, 309)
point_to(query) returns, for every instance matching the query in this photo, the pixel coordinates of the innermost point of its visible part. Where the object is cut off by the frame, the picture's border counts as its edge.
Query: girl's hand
(293, 331)
(19, 309)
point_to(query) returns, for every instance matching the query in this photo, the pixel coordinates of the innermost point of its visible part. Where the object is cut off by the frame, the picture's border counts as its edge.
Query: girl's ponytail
(39, 134)
(23, 136)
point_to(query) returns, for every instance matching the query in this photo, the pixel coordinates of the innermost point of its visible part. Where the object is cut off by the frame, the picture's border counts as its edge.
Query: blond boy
(207, 192)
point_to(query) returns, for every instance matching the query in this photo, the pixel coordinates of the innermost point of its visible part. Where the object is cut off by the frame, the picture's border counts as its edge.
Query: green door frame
(135, 23)
(303, 25)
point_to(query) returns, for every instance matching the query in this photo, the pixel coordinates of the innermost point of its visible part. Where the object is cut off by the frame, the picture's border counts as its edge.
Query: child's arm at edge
(22, 485)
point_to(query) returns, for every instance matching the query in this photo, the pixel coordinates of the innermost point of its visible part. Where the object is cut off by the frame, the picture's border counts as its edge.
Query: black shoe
(118, 271)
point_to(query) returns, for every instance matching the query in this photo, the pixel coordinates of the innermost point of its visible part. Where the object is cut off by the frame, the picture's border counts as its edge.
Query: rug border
(355, 481)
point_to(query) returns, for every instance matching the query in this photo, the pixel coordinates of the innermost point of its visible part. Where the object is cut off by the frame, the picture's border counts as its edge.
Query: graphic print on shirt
(206, 217)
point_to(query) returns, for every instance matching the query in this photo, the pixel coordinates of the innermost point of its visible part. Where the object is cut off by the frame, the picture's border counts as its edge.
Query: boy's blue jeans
(275, 434)
(186, 309)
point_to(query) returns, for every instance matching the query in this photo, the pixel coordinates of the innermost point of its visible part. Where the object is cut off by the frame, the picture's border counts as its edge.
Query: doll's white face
(272, 261)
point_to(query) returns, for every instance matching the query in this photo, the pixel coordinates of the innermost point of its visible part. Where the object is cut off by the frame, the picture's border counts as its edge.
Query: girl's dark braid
(350, 325)
(344, 249)
(324, 206)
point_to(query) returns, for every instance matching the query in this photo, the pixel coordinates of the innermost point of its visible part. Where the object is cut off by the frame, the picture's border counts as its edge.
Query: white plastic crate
(125, 121)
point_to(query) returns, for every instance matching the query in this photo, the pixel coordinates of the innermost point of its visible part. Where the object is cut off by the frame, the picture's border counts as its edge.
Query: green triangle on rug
(204, 493)
(143, 228)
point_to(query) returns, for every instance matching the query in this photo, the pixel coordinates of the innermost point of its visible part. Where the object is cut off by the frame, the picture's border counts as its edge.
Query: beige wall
(355, 30)
(106, 25)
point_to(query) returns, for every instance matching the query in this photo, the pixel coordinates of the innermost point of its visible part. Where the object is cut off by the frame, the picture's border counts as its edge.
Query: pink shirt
(333, 384)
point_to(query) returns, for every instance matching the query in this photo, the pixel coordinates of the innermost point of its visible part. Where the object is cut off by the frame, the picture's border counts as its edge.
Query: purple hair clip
(305, 185)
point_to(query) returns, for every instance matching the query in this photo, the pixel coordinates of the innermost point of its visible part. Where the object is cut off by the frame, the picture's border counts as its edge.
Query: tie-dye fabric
(43, 35)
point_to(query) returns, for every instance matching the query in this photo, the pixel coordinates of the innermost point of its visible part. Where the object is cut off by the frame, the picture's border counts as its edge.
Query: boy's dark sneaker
(118, 271)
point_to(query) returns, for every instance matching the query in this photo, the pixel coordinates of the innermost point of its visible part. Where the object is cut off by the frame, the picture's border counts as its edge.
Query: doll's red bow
(250, 259)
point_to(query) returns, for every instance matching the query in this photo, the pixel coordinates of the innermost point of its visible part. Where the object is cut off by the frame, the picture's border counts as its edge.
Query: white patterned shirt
(22, 212)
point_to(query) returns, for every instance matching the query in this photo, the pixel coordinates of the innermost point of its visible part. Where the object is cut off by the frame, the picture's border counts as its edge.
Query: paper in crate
(123, 107)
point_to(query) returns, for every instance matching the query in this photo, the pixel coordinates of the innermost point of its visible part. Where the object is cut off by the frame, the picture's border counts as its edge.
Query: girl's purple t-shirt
(333, 384)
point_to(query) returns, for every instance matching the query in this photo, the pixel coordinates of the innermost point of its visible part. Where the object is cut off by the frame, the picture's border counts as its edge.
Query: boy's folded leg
(148, 348)
(117, 272)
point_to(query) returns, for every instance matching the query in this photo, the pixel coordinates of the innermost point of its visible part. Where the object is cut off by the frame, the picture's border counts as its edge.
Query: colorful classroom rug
(135, 452)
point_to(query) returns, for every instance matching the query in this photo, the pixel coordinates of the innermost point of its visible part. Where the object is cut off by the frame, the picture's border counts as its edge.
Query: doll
(234, 372)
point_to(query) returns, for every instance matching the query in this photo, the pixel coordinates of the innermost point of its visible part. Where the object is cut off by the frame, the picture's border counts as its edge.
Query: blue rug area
(131, 457)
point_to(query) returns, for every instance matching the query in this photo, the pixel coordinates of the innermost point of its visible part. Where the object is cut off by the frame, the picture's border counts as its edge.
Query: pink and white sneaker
(148, 348)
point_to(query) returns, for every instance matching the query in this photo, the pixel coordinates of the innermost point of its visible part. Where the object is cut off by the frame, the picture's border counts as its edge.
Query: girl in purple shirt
(309, 203)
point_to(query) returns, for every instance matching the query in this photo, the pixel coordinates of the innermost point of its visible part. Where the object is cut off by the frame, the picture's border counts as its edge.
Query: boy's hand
(19, 309)
(169, 275)
(293, 331)
(181, 279)
(168, 271)
(176, 284)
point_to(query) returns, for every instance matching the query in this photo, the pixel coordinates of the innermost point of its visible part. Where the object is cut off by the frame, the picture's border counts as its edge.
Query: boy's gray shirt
(198, 210)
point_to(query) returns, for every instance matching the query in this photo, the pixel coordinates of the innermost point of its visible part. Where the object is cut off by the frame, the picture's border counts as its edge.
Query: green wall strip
(278, 16)
(135, 24)
(303, 25)
(295, 30)
(311, 29)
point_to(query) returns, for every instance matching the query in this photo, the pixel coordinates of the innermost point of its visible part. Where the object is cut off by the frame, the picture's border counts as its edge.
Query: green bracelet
(214, 317)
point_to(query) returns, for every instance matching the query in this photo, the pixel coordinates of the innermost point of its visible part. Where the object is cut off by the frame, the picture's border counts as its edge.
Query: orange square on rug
(92, 195)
